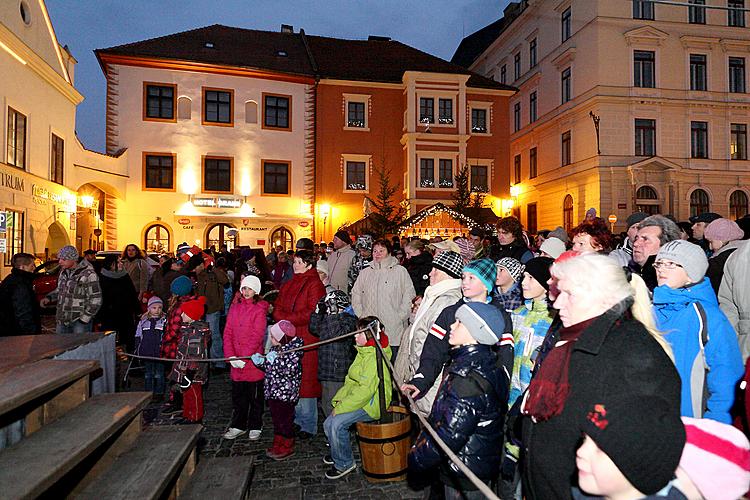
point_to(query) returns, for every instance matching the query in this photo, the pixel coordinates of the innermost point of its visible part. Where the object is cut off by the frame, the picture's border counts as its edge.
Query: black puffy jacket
(468, 414)
(419, 268)
(19, 309)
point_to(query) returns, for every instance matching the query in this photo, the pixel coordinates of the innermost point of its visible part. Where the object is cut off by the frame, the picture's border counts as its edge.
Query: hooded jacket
(734, 296)
(384, 289)
(681, 321)
(244, 335)
(360, 389)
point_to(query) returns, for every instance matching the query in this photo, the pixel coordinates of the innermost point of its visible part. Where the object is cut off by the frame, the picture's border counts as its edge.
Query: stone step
(227, 478)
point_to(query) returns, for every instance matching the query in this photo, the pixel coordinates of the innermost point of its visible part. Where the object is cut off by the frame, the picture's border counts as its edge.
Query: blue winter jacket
(680, 319)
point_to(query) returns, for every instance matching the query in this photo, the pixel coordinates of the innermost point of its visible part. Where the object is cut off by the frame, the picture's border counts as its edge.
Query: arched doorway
(282, 237)
(738, 204)
(647, 200)
(56, 239)
(89, 217)
(568, 213)
(699, 202)
(222, 234)
(157, 239)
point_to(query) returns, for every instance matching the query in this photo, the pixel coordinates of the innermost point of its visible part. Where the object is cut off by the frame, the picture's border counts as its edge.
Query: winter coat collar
(592, 339)
(21, 274)
(440, 288)
(537, 305)
(387, 263)
(467, 356)
(371, 342)
(114, 274)
(695, 292)
(422, 258)
(729, 246)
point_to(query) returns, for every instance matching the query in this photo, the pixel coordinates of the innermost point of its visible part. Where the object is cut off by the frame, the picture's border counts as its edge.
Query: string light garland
(409, 224)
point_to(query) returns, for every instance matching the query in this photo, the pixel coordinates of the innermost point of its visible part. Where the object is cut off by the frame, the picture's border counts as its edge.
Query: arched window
(222, 234)
(251, 112)
(157, 239)
(738, 204)
(568, 213)
(282, 237)
(646, 200)
(699, 202)
(184, 108)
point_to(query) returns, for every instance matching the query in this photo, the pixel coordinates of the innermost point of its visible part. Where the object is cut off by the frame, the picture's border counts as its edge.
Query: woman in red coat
(296, 302)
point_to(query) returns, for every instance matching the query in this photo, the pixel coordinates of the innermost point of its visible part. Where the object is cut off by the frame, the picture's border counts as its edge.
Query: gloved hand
(271, 357)
(257, 358)
(237, 363)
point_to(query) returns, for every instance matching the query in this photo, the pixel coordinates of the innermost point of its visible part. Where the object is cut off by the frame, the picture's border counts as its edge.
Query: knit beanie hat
(322, 267)
(250, 281)
(337, 301)
(181, 286)
(552, 247)
(642, 435)
(465, 249)
(450, 263)
(513, 266)
(723, 230)
(282, 328)
(305, 244)
(194, 308)
(364, 241)
(691, 257)
(485, 322)
(68, 252)
(343, 236)
(155, 300)
(635, 218)
(538, 268)
(559, 233)
(485, 270)
(716, 458)
(182, 248)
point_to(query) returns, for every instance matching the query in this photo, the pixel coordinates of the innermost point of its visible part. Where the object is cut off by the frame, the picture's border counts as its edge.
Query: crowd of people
(566, 364)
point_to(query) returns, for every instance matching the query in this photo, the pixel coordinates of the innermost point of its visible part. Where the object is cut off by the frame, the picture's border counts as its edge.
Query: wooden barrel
(384, 447)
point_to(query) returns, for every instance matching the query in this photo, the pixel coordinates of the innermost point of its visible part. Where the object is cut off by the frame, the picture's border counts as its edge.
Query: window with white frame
(436, 172)
(16, 143)
(480, 117)
(444, 115)
(356, 111)
(479, 176)
(445, 111)
(426, 110)
(356, 170)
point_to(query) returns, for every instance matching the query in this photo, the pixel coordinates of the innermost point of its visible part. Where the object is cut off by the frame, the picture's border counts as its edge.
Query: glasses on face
(666, 265)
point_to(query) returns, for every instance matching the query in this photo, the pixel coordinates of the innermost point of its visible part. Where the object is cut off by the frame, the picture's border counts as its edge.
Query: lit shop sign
(217, 202)
(45, 194)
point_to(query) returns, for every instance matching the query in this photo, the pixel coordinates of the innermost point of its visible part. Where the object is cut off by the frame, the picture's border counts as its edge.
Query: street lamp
(596, 119)
(325, 211)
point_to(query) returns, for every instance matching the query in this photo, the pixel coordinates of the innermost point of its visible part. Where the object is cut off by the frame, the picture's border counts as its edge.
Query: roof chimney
(287, 28)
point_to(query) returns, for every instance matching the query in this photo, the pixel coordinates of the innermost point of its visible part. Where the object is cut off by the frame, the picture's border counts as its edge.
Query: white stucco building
(667, 84)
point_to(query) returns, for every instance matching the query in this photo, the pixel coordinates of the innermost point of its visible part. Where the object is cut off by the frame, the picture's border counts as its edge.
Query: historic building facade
(622, 106)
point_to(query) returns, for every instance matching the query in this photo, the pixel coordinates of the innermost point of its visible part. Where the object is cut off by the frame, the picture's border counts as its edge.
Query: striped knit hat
(485, 270)
(448, 262)
(513, 266)
(716, 458)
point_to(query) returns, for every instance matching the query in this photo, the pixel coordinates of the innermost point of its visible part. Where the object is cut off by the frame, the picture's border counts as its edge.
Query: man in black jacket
(19, 309)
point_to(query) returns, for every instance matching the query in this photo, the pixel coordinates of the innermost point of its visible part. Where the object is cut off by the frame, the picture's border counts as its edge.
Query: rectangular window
(516, 169)
(699, 139)
(503, 74)
(565, 85)
(532, 53)
(643, 9)
(736, 13)
(277, 111)
(478, 121)
(565, 148)
(737, 74)
(57, 160)
(356, 176)
(426, 173)
(445, 111)
(356, 115)
(532, 107)
(698, 76)
(217, 175)
(532, 163)
(276, 177)
(445, 173)
(16, 154)
(517, 117)
(159, 172)
(738, 145)
(160, 102)
(426, 110)
(479, 178)
(517, 66)
(14, 235)
(531, 218)
(565, 24)
(644, 63)
(645, 137)
(217, 106)
(697, 15)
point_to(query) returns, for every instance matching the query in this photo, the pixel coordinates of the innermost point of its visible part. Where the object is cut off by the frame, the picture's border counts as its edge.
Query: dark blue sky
(434, 26)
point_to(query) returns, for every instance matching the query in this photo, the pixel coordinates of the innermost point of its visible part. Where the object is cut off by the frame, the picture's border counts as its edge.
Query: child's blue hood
(680, 297)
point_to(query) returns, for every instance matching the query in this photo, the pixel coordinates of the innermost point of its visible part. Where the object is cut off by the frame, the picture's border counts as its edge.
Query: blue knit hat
(181, 286)
(484, 322)
(485, 270)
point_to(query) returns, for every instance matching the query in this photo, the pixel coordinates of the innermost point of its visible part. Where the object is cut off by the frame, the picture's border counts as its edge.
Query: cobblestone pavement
(300, 476)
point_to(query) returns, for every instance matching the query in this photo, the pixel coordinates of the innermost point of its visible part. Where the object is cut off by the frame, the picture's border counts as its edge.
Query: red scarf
(549, 389)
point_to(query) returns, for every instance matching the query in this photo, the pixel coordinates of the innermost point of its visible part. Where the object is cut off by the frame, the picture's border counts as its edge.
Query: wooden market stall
(444, 221)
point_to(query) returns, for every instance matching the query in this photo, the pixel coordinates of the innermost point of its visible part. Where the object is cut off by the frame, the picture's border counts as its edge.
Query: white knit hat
(250, 281)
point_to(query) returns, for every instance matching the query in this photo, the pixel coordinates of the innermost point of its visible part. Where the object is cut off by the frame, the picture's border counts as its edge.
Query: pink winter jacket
(244, 334)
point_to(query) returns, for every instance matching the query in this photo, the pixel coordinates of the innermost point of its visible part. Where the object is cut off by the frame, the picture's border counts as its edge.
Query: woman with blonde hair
(608, 345)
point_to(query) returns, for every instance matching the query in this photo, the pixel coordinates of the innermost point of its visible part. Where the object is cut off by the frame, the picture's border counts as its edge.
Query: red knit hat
(194, 308)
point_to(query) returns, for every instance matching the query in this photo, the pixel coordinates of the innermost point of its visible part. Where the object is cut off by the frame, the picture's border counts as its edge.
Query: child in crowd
(244, 334)
(182, 291)
(509, 273)
(283, 378)
(193, 343)
(470, 407)
(333, 317)
(358, 400)
(148, 337)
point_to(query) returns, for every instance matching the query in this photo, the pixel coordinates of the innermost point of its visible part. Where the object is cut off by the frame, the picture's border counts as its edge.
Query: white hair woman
(608, 345)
